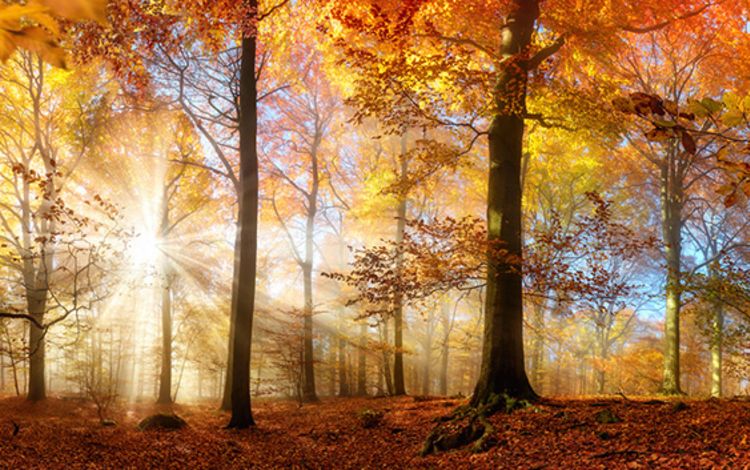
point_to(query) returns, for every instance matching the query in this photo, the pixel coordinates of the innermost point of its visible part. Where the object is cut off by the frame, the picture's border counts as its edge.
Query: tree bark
(537, 348)
(243, 307)
(387, 362)
(343, 378)
(426, 379)
(165, 378)
(503, 369)
(36, 383)
(308, 373)
(399, 387)
(362, 361)
(226, 398)
(601, 375)
(671, 219)
(717, 337)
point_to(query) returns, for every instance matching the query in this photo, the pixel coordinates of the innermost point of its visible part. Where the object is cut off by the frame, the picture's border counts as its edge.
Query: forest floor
(555, 433)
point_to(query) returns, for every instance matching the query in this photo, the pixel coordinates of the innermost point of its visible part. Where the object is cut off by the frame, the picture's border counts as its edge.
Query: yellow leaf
(733, 117)
(731, 100)
(7, 47)
(39, 41)
(10, 16)
(79, 9)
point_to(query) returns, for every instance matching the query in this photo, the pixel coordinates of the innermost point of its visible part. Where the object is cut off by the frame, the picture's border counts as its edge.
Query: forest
(374, 234)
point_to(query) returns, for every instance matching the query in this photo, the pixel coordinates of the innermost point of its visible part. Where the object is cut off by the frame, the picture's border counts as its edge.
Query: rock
(607, 416)
(109, 423)
(679, 406)
(370, 418)
(162, 421)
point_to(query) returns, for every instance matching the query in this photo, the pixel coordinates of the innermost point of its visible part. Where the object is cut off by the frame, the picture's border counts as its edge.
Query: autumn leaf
(688, 143)
(79, 10)
(731, 199)
(658, 134)
(39, 41)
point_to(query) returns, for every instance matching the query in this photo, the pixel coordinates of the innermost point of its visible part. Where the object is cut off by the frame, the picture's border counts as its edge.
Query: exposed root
(468, 425)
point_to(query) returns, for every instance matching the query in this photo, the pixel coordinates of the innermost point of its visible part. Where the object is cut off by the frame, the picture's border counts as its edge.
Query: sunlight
(457, 208)
(145, 249)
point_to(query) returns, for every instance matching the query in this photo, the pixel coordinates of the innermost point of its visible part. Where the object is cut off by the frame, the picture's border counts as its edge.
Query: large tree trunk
(503, 369)
(165, 378)
(308, 383)
(399, 387)
(37, 302)
(671, 219)
(243, 308)
(226, 398)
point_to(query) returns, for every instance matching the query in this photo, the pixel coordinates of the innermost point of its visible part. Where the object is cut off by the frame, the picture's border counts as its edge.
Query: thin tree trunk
(503, 369)
(601, 375)
(362, 361)
(717, 333)
(244, 306)
(428, 353)
(386, 362)
(343, 378)
(308, 375)
(537, 347)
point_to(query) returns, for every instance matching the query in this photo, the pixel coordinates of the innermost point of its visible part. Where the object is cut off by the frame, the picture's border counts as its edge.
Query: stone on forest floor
(109, 423)
(162, 421)
(679, 406)
(607, 416)
(370, 418)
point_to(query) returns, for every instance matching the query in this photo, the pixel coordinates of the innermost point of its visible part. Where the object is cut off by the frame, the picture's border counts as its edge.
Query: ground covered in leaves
(381, 433)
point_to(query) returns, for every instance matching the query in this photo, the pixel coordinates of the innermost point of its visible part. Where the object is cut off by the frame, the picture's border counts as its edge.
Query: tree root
(469, 425)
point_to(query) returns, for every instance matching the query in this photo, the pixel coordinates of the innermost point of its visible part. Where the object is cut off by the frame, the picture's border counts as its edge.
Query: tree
(44, 140)
(211, 26)
(482, 84)
(300, 125)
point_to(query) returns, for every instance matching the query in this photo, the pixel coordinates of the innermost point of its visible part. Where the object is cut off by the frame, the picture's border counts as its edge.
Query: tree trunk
(387, 362)
(601, 375)
(165, 378)
(226, 400)
(537, 348)
(362, 361)
(428, 352)
(343, 378)
(36, 383)
(308, 373)
(444, 368)
(671, 215)
(503, 369)
(398, 313)
(308, 392)
(243, 308)
(717, 333)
